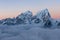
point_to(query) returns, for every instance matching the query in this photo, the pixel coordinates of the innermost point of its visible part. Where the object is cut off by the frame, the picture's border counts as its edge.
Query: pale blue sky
(11, 8)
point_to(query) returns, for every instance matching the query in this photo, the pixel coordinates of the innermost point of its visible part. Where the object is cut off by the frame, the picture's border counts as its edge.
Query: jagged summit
(25, 16)
(26, 13)
(43, 13)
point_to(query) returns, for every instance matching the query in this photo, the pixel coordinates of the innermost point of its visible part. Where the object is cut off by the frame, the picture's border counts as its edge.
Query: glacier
(28, 27)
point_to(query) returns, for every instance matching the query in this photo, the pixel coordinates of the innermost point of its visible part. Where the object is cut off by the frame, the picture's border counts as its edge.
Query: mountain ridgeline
(42, 17)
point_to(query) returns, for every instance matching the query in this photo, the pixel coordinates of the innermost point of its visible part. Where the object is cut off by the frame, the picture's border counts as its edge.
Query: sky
(12, 8)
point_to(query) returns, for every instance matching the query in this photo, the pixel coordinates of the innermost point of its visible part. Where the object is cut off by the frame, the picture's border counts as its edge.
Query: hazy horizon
(12, 8)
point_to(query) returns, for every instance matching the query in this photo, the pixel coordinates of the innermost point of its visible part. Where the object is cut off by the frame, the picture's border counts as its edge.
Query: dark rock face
(58, 24)
(48, 24)
(9, 21)
(19, 21)
(1, 21)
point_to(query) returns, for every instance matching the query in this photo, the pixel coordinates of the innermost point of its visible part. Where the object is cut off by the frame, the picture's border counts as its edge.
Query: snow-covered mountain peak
(25, 16)
(43, 13)
(26, 13)
(44, 10)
